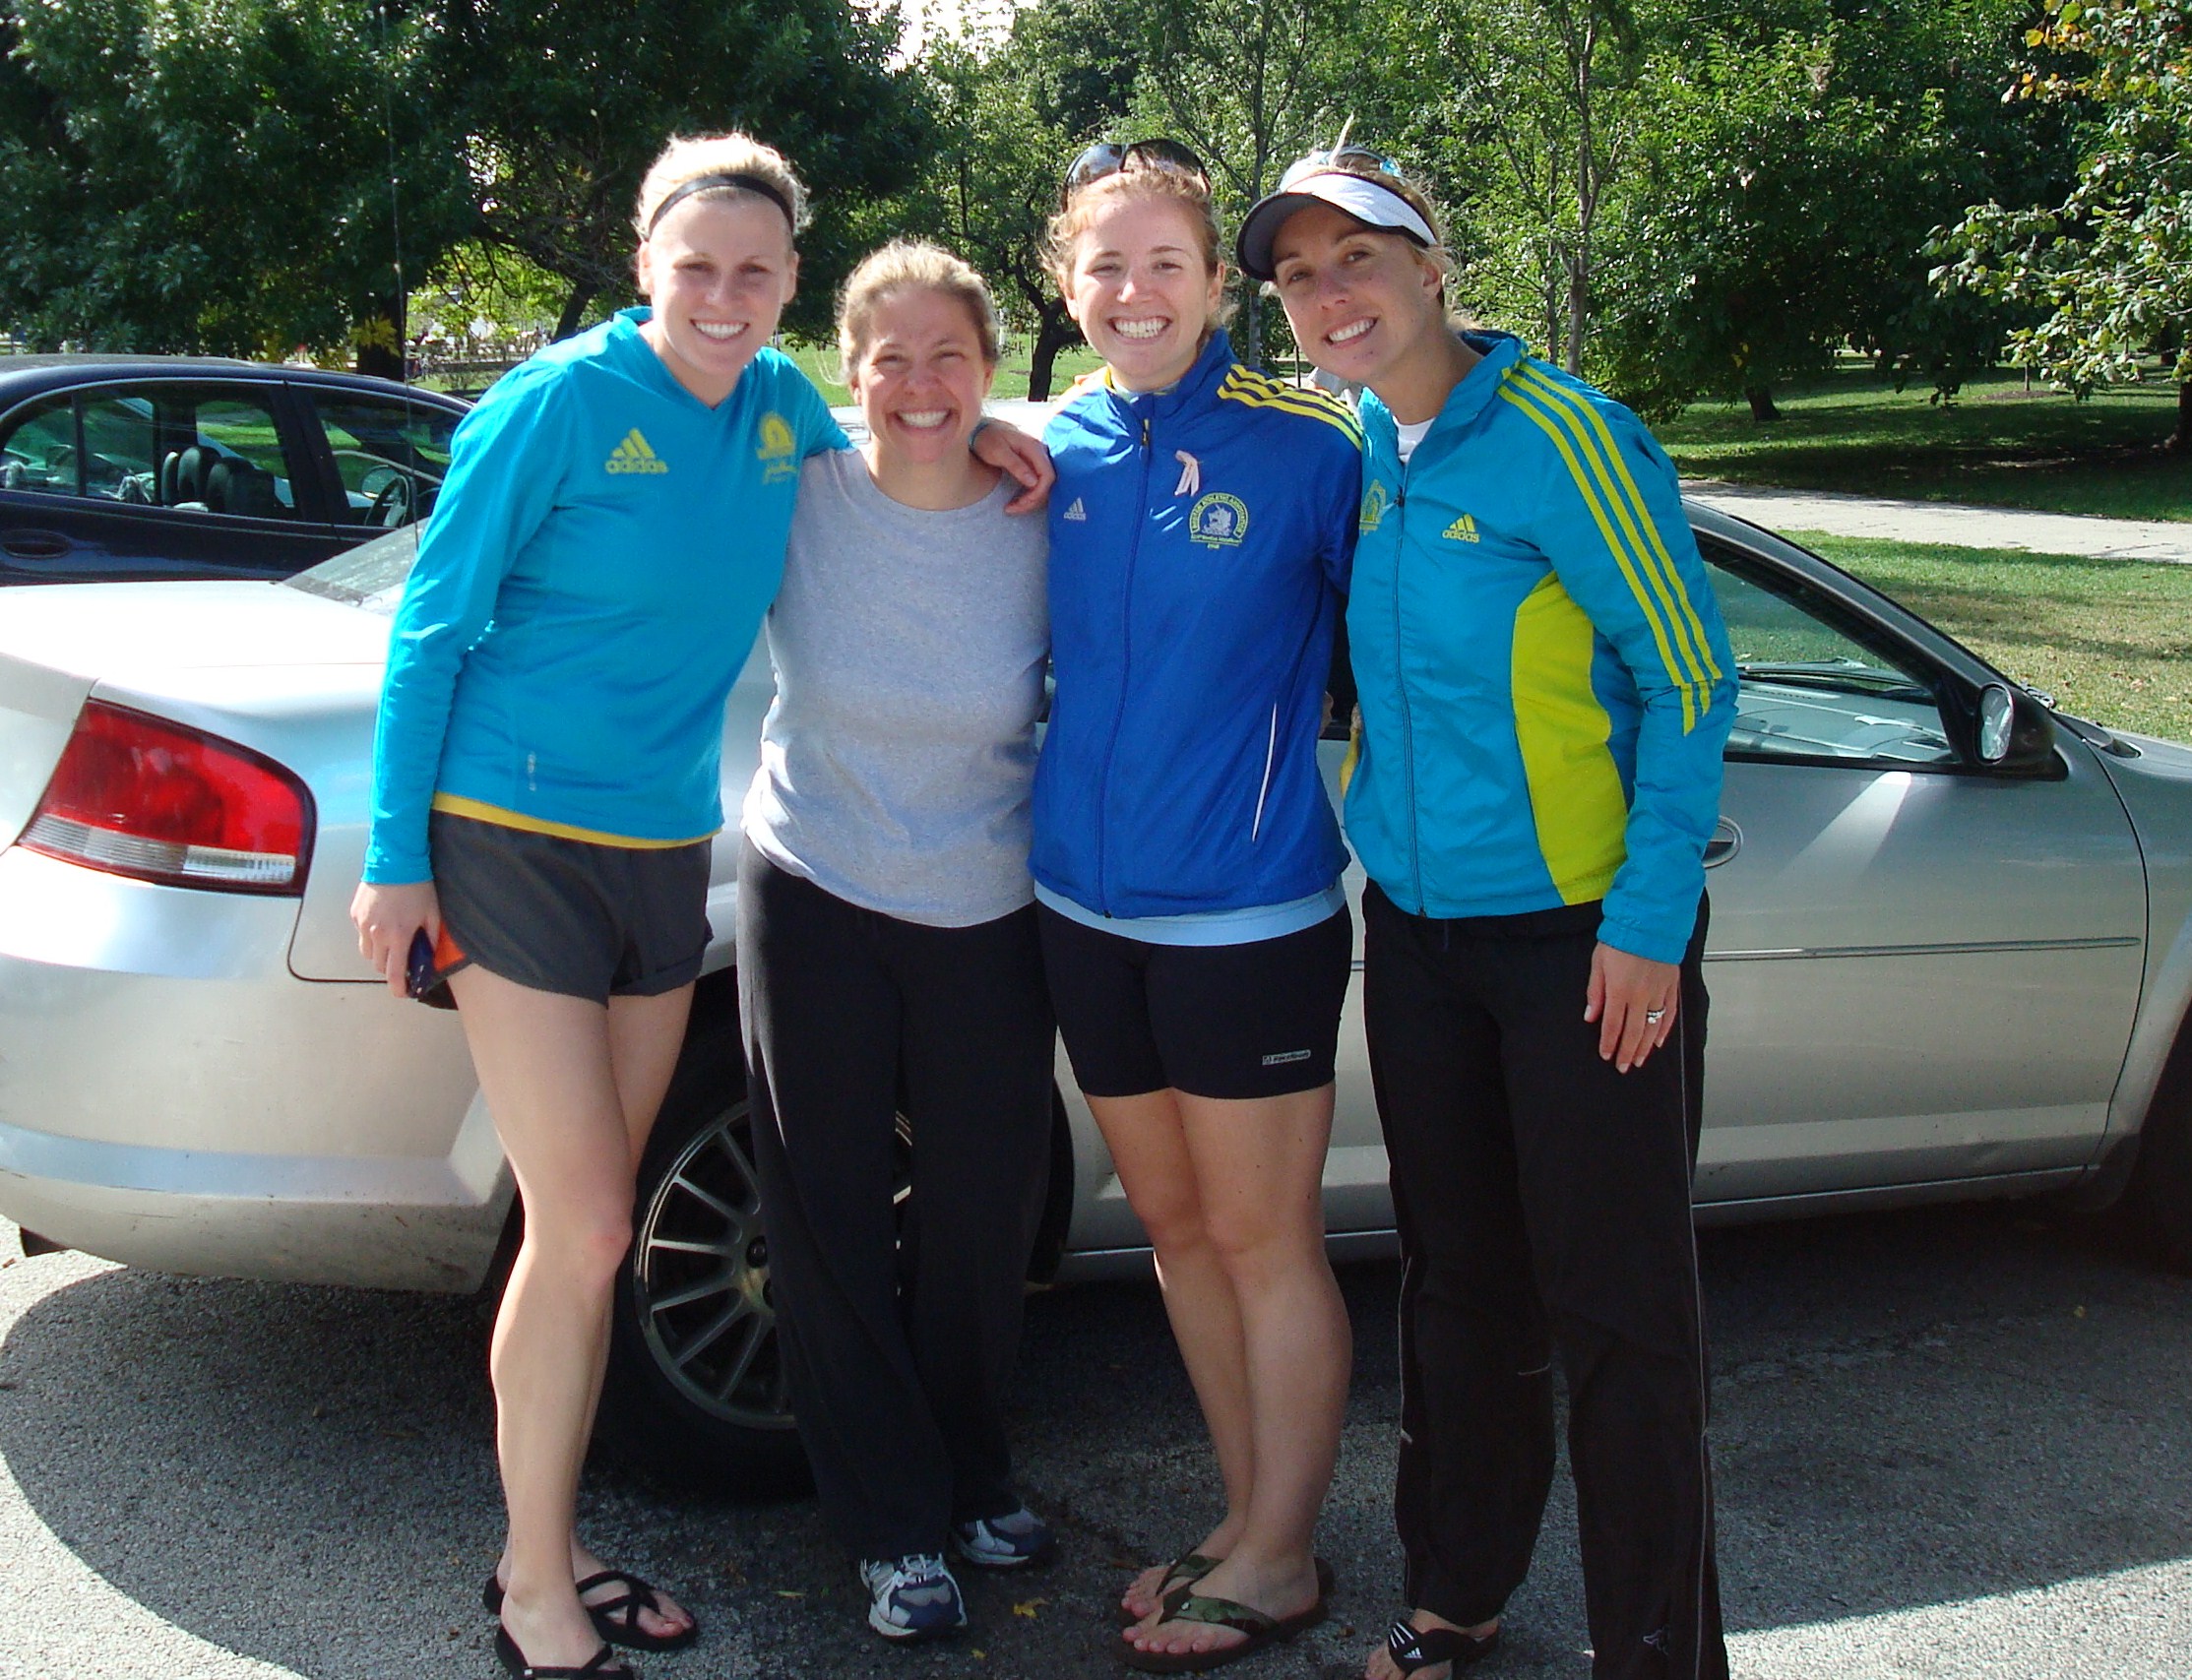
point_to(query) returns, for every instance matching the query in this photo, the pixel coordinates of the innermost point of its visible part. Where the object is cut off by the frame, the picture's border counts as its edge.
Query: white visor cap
(1369, 201)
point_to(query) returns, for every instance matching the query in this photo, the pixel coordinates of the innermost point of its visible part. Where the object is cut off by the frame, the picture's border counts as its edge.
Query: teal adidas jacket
(592, 576)
(1544, 679)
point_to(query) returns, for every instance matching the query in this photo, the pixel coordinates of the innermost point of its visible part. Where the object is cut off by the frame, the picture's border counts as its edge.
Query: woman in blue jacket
(546, 785)
(1546, 688)
(1187, 862)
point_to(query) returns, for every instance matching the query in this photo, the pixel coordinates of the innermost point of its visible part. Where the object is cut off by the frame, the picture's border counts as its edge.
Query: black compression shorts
(1221, 1021)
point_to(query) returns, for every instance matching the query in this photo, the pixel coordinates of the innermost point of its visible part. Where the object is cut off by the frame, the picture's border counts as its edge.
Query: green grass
(2111, 640)
(1995, 445)
(820, 364)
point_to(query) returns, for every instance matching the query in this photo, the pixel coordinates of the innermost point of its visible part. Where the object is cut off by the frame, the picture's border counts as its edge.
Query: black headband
(710, 183)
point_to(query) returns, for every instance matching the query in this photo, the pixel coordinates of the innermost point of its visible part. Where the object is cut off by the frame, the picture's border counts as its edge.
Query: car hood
(102, 632)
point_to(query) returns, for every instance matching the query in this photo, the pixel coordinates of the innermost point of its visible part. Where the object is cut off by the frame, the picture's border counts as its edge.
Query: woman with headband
(1187, 862)
(1546, 687)
(545, 786)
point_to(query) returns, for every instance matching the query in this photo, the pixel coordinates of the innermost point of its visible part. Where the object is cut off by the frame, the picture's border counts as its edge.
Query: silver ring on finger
(1653, 1017)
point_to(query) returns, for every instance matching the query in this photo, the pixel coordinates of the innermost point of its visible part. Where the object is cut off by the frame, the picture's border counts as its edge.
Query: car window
(37, 450)
(391, 456)
(1809, 690)
(193, 449)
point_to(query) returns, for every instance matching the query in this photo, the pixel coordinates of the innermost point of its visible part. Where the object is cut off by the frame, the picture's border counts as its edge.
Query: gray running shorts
(565, 915)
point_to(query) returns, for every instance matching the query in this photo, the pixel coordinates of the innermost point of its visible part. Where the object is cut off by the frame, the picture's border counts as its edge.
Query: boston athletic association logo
(777, 451)
(1219, 521)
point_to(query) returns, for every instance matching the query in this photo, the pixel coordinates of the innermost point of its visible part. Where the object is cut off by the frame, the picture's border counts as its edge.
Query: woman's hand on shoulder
(1023, 455)
(1634, 1000)
(388, 916)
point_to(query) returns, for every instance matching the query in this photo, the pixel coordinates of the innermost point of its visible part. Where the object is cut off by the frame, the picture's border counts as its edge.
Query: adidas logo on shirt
(1463, 529)
(1079, 512)
(635, 455)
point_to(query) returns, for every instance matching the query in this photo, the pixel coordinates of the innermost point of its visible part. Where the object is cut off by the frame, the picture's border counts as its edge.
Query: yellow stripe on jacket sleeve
(1241, 387)
(1637, 517)
(1693, 699)
(1562, 730)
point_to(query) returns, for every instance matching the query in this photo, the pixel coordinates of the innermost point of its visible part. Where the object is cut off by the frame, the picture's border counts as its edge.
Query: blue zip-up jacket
(586, 592)
(1545, 680)
(1200, 541)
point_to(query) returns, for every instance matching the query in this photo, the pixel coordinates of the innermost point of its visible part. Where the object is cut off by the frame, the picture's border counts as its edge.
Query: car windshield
(370, 575)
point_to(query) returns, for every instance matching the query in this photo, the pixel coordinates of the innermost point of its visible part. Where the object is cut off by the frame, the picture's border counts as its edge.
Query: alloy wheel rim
(700, 1280)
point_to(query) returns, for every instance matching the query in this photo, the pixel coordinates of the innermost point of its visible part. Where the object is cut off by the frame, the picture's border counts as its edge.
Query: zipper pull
(1145, 431)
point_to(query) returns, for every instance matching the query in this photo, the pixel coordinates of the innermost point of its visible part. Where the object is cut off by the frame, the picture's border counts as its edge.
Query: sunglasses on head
(1345, 158)
(1109, 157)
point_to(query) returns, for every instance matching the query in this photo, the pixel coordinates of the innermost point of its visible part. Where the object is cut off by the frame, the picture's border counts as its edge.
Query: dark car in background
(121, 466)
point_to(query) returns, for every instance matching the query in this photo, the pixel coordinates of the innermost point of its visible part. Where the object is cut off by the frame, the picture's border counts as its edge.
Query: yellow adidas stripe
(1659, 562)
(1644, 534)
(1314, 405)
(457, 805)
(1622, 557)
(1248, 385)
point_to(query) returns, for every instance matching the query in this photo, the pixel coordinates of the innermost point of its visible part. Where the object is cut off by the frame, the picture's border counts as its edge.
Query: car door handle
(35, 544)
(1726, 842)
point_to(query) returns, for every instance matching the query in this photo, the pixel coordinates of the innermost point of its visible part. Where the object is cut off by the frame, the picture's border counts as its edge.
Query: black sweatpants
(1544, 1203)
(897, 1344)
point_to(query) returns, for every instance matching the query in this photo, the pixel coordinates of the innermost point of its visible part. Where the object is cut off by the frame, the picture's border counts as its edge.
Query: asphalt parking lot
(1950, 1443)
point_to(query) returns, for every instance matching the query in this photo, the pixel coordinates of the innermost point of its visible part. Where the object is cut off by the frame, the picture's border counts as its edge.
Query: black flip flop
(595, 1667)
(1412, 1649)
(617, 1619)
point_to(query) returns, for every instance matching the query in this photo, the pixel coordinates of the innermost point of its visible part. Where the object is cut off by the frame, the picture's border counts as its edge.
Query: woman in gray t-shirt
(888, 961)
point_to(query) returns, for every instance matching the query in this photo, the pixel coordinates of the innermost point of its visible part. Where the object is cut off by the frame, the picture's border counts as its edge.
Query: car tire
(695, 1389)
(2159, 1197)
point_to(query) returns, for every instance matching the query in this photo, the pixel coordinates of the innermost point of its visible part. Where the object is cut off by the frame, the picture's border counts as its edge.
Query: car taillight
(141, 796)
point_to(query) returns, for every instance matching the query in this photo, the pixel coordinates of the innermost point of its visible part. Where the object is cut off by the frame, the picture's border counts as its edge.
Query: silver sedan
(1951, 955)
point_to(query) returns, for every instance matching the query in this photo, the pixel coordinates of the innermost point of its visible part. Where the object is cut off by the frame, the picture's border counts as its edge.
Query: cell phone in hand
(422, 971)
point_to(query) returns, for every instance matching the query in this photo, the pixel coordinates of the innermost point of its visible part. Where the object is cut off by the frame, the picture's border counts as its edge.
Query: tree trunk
(1760, 399)
(1052, 335)
(1248, 342)
(384, 360)
(574, 310)
(2181, 437)
(1578, 311)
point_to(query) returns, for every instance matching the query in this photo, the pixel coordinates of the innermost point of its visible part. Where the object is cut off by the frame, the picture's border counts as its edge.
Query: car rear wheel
(696, 1384)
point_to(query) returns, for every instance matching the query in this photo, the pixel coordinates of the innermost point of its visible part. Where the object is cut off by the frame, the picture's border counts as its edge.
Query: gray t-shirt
(898, 760)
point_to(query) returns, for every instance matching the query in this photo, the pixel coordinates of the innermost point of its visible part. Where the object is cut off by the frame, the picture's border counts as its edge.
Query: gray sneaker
(911, 1598)
(1014, 1540)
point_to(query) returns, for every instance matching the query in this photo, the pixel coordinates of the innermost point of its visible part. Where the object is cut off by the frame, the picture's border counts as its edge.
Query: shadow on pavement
(1912, 1409)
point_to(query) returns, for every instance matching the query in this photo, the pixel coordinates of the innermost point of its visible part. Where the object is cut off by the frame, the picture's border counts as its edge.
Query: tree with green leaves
(2109, 267)
(1006, 123)
(228, 176)
(1527, 107)
(564, 104)
(1784, 188)
(1250, 85)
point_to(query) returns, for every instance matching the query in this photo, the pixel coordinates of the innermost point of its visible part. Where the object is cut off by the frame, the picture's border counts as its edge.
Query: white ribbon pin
(1191, 474)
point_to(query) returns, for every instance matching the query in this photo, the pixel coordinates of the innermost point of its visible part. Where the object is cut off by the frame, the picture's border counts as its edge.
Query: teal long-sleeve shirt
(587, 587)
(1544, 679)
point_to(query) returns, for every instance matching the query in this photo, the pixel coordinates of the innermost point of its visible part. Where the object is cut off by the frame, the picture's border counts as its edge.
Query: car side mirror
(1997, 716)
(2010, 730)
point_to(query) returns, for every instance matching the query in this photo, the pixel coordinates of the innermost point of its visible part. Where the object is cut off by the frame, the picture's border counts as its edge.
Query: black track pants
(1544, 1203)
(896, 1346)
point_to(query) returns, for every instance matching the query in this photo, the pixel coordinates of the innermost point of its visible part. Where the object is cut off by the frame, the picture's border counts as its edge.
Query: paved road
(1954, 1444)
(1952, 523)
